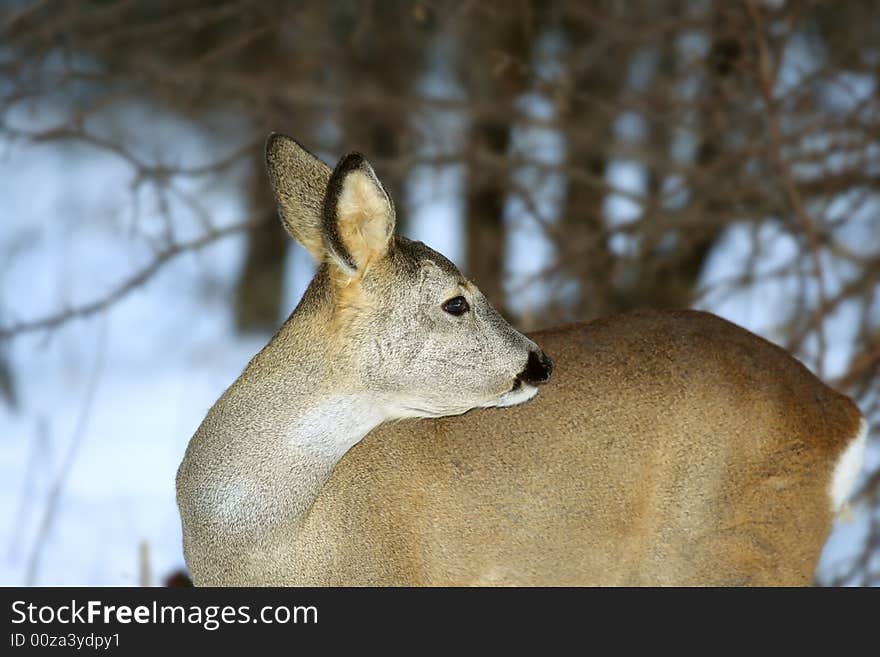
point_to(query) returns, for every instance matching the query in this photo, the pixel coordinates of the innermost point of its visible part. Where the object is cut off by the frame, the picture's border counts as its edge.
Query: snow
(158, 359)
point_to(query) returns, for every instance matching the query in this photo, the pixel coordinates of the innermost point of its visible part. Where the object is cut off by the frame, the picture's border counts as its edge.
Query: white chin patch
(522, 394)
(400, 410)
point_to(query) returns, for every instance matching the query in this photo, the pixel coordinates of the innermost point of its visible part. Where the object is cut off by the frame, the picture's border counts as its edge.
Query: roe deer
(672, 448)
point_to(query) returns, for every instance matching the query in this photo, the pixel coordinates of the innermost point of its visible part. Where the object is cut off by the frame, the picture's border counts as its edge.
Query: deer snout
(538, 369)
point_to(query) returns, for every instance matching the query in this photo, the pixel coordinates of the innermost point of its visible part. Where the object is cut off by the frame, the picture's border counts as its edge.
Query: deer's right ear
(299, 180)
(358, 215)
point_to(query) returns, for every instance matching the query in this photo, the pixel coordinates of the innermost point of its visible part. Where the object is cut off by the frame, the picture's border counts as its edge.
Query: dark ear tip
(350, 162)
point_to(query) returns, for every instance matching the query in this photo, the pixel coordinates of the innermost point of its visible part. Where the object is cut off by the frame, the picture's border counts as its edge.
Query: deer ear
(358, 215)
(298, 181)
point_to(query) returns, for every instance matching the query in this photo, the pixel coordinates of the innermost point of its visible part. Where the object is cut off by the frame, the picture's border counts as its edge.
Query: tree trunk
(583, 248)
(497, 75)
(485, 197)
(260, 286)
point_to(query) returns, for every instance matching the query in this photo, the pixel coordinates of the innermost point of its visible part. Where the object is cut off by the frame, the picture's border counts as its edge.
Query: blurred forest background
(575, 158)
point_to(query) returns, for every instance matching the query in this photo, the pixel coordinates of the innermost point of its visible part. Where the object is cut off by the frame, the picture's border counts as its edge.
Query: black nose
(538, 368)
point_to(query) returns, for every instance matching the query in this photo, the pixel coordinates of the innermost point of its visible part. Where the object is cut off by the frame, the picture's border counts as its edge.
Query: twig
(76, 441)
(138, 279)
(767, 80)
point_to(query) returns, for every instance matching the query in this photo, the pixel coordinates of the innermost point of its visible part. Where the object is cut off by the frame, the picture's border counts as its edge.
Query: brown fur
(298, 196)
(671, 448)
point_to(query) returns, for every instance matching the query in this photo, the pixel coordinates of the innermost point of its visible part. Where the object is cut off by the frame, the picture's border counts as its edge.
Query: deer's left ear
(358, 215)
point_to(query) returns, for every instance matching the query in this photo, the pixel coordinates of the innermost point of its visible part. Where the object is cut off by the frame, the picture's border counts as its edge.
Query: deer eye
(456, 306)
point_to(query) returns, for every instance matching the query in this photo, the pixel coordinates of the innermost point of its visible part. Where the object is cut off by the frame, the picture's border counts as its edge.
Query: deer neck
(309, 417)
(313, 442)
(326, 427)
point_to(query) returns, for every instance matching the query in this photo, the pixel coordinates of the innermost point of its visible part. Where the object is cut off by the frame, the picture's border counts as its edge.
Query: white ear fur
(358, 215)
